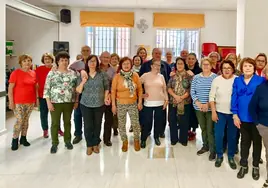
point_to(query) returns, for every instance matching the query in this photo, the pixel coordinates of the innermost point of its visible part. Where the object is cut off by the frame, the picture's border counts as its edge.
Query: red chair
(225, 51)
(209, 47)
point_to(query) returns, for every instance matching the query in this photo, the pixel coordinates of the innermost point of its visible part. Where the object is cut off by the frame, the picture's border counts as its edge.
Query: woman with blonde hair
(142, 52)
(23, 95)
(215, 58)
(233, 57)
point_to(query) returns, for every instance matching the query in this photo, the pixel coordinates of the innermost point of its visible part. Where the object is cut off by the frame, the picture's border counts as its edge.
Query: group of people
(226, 98)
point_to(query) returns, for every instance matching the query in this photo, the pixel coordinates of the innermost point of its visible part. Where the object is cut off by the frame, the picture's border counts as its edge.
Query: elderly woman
(180, 103)
(114, 61)
(95, 94)
(215, 58)
(61, 98)
(41, 75)
(220, 102)
(126, 91)
(22, 95)
(258, 109)
(155, 102)
(243, 89)
(261, 62)
(200, 89)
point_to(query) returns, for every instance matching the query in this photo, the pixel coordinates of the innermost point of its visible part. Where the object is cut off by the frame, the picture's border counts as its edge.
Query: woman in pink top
(156, 101)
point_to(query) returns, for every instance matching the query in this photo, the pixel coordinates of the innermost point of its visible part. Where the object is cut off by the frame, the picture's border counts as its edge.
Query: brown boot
(137, 145)
(96, 149)
(125, 146)
(89, 150)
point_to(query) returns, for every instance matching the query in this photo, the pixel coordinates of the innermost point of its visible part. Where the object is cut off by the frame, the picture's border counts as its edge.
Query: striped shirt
(200, 88)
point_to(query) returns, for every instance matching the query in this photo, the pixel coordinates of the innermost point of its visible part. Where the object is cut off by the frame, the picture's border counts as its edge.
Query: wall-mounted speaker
(65, 16)
(59, 46)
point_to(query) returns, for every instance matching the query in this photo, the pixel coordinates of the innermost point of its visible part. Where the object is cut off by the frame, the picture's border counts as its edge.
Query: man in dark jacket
(164, 70)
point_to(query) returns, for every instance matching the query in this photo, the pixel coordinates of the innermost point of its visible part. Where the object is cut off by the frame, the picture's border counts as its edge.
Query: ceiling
(150, 4)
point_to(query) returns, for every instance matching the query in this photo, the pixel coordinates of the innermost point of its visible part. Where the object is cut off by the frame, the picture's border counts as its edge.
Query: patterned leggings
(132, 110)
(22, 113)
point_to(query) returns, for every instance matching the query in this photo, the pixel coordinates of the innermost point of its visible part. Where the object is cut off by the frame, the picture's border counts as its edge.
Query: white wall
(31, 35)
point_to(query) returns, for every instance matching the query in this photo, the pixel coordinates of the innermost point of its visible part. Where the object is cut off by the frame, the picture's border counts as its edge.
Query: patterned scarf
(181, 85)
(128, 79)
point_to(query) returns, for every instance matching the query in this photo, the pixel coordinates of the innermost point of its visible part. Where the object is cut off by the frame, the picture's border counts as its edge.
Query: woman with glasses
(261, 62)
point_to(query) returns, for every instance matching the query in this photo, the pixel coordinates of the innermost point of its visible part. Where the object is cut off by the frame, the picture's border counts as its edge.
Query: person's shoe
(173, 143)
(242, 172)
(237, 151)
(15, 144)
(162, 135)
(96, 149)
(157, 141)
(61, 133)
(184, 144)
(218, 162)
(202, 150)
(137, 145)
(265, 185)
(23, 141)
(69, 146)
(143, 144)
(89, 150)
(212, 156)
(125, 146)
(232, 163)
(115, 132)
(255, 173)
(54, 149)
(192, 136)
(261, 161)
(109, 143)
(77, 139)
(131, 129)
(45, 134)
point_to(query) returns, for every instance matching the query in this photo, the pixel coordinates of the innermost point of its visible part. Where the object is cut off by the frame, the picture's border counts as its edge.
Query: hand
(190, 73)
(178, 99)
(84, 74)
(114, 110)
(172, 74)
(84, 80)
(11, 105)
(50, 107)
(215, 117)
(145, 95)
(199, 105)
(107, 101)
(237, 121)
(165, 105)
(140, 106)
(205, 107)
(76, 104)
(37, 103)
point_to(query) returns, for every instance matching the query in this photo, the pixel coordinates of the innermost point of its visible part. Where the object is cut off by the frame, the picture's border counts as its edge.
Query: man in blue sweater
(164, 70)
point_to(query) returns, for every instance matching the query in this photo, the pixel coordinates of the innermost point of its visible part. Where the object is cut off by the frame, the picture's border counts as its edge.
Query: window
(176, 40)
(111, 39)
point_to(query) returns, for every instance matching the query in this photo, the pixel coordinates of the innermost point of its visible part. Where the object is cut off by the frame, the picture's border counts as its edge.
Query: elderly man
(184, 54)
(78, 66)
(164, 70)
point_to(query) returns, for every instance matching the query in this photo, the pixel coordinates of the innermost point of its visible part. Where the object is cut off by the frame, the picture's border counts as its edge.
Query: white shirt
(221, 92)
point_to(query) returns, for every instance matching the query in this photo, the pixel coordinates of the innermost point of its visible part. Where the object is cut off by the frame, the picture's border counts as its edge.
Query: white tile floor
(35, 167)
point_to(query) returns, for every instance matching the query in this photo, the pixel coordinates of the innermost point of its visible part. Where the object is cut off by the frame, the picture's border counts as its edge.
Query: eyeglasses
(229, 68)
(261, 61)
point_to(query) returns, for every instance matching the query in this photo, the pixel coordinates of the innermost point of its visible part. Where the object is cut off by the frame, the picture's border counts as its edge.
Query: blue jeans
(78, 121)
(225, 120)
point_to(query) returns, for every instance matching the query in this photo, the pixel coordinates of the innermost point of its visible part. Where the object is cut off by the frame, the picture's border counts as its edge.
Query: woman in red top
(41, 75)
(23, 95)
(215, 58)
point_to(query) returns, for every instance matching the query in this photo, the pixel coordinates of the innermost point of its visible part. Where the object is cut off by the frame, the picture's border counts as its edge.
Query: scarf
(136, 69)
(181, 85)
(128, 79)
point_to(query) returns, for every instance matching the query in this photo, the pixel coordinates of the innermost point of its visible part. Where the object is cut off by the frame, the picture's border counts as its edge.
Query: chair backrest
(225, 51)
(209, 47)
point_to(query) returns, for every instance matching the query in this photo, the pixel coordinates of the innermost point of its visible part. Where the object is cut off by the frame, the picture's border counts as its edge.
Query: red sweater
(41, 75)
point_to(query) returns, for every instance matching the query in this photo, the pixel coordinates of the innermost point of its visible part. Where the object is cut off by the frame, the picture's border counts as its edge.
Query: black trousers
(249, 133)
(193, 125)
(92, 120)
(108, 123)
(164, 122)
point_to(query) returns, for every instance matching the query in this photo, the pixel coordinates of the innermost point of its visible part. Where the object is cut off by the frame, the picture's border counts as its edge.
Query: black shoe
(173, 143)
(212, 156)
(218, 162)
(157, 141)
(131, 129)
(54, 149)
(261, 161)
(232, 163)
(184, 144)
(255, 173)
(109, 143)
(162, 135)
(265, 185)
(143, 144)
(15, 144)
(77, 139)
(69, 146)
(202, 150)
(115, 132)
(242, 172)
(23, 141)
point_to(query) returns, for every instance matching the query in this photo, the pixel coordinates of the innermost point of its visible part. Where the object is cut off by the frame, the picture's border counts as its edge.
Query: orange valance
(178, 20)
(106, 19)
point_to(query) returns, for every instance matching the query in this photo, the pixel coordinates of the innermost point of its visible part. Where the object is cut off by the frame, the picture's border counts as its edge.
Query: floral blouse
(60, 87)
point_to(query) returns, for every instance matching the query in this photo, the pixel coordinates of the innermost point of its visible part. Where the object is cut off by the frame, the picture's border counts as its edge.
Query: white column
(252, 27)
(2, 65)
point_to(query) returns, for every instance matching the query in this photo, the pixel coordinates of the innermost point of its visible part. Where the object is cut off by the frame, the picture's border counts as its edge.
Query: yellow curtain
(178, 20)
(107, 19)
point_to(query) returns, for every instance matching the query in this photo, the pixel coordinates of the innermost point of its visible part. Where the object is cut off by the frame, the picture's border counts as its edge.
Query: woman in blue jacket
(243, 89)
